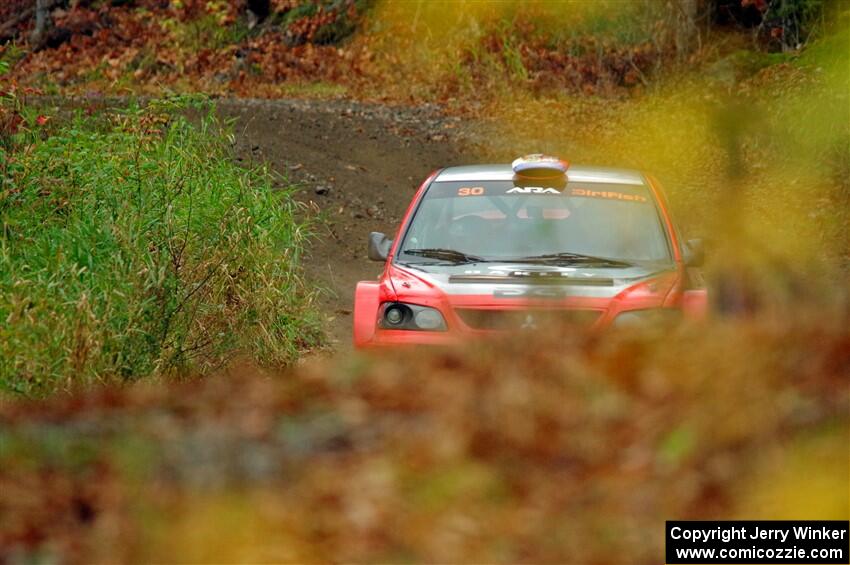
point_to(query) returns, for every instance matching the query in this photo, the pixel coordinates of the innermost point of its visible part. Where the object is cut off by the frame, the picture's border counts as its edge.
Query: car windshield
(493, 221)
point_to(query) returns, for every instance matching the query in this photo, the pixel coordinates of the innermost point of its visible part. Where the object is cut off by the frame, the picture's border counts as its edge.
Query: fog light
(428, 319)
(394, 315)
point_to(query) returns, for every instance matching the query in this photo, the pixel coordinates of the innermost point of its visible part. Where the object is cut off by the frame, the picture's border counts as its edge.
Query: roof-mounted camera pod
(540, 170)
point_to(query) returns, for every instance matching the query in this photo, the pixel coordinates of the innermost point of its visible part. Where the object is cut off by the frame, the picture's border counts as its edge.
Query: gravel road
(359, 165)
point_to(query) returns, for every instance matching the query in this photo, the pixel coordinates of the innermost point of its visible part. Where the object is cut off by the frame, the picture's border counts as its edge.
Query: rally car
(496, 248)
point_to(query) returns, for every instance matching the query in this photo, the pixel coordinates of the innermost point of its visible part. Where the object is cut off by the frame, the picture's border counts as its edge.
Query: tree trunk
(686, 33)
(42, 21)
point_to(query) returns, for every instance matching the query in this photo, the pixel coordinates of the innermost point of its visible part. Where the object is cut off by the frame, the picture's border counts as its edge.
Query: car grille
(484, 319)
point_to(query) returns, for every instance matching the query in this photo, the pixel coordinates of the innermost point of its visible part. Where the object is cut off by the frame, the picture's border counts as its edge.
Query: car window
(498, 220)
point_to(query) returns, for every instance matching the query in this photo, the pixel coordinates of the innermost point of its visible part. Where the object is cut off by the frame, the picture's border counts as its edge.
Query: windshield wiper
(573, 258)
(451, 255)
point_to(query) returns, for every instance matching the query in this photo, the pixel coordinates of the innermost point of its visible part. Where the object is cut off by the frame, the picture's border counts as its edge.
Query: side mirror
(379, 246)
(694, 253)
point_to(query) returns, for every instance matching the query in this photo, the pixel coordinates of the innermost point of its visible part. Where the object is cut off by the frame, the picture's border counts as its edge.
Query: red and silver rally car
(495, 248)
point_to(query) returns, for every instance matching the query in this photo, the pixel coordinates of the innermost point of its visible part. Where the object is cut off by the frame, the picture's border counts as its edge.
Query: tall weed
(133, 245)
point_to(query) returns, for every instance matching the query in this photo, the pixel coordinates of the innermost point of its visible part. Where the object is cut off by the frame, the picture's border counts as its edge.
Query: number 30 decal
(470, 191)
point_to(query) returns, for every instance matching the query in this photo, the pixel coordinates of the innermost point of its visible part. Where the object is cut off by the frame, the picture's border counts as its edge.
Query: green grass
(132, 245)
(10, 54)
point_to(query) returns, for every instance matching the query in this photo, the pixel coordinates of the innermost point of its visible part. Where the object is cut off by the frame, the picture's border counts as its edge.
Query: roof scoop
(540, 170)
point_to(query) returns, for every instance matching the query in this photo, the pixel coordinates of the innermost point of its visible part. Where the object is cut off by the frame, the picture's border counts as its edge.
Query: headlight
(401, 316)
(428, 319)
(651, 317)
(395, 315)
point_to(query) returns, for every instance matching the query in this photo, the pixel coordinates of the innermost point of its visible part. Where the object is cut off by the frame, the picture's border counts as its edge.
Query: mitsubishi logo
(529, 323)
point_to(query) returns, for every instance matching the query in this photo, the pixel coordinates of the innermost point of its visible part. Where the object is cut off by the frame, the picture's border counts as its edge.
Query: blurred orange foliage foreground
(559, 449)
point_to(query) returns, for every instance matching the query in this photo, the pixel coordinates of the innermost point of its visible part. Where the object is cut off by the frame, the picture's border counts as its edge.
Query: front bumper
(559, 322)
(489, 323)
(393, 338)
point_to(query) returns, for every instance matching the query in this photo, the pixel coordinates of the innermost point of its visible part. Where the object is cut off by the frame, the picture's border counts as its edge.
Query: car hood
(516, 278)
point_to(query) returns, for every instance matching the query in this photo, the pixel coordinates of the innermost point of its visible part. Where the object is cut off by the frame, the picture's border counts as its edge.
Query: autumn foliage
(401, 51)
(151, 46)
(541, 447)
(577, 453)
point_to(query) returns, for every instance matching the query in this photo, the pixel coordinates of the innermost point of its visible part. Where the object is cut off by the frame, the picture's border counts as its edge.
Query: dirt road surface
(359, 165)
